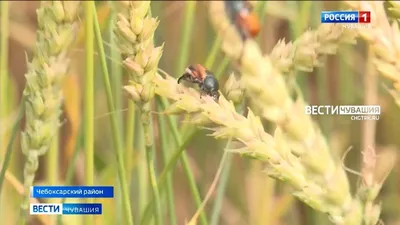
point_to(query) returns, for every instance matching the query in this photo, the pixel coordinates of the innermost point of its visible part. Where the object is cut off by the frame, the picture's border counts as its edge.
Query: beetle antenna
(180, 78)
(184, 76)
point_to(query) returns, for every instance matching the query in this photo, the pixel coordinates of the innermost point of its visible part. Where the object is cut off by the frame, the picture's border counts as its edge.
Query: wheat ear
(332, 197)
(305, 53)
(269, 94)
(57, 30)
(384, 39)
(134, 31)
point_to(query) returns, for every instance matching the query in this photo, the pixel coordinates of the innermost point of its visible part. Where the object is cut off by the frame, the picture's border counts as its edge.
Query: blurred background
(250, 196)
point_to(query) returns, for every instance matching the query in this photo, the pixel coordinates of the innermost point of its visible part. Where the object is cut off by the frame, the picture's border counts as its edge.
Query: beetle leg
(215, 96)
(202, 90)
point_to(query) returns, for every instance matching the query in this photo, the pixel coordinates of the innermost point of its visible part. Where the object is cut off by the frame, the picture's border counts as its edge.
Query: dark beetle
(207, 82)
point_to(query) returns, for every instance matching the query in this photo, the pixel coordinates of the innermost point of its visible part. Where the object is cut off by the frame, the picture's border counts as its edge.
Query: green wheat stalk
(189, 17)
(3, 68)
(117, 141)
(71, 170)
(190, 8)
(165, 146)
(89, 102)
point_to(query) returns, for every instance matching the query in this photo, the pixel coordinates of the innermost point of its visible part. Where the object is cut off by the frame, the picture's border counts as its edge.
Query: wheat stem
(116, 134)
(165, 146)
(7, 156)
(4, 98)
(71, 170)
(190, 8)
(89, 102)
(3, 69)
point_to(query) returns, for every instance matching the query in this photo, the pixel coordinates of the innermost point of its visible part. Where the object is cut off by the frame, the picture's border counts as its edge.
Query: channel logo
(346, 17)
(65, 209)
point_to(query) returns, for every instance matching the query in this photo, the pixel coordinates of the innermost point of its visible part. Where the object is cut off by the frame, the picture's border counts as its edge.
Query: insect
(242, 16)
(207, 82)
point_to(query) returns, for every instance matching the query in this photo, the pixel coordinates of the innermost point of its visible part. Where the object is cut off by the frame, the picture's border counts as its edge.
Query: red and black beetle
(243, 17)
(206, 80)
